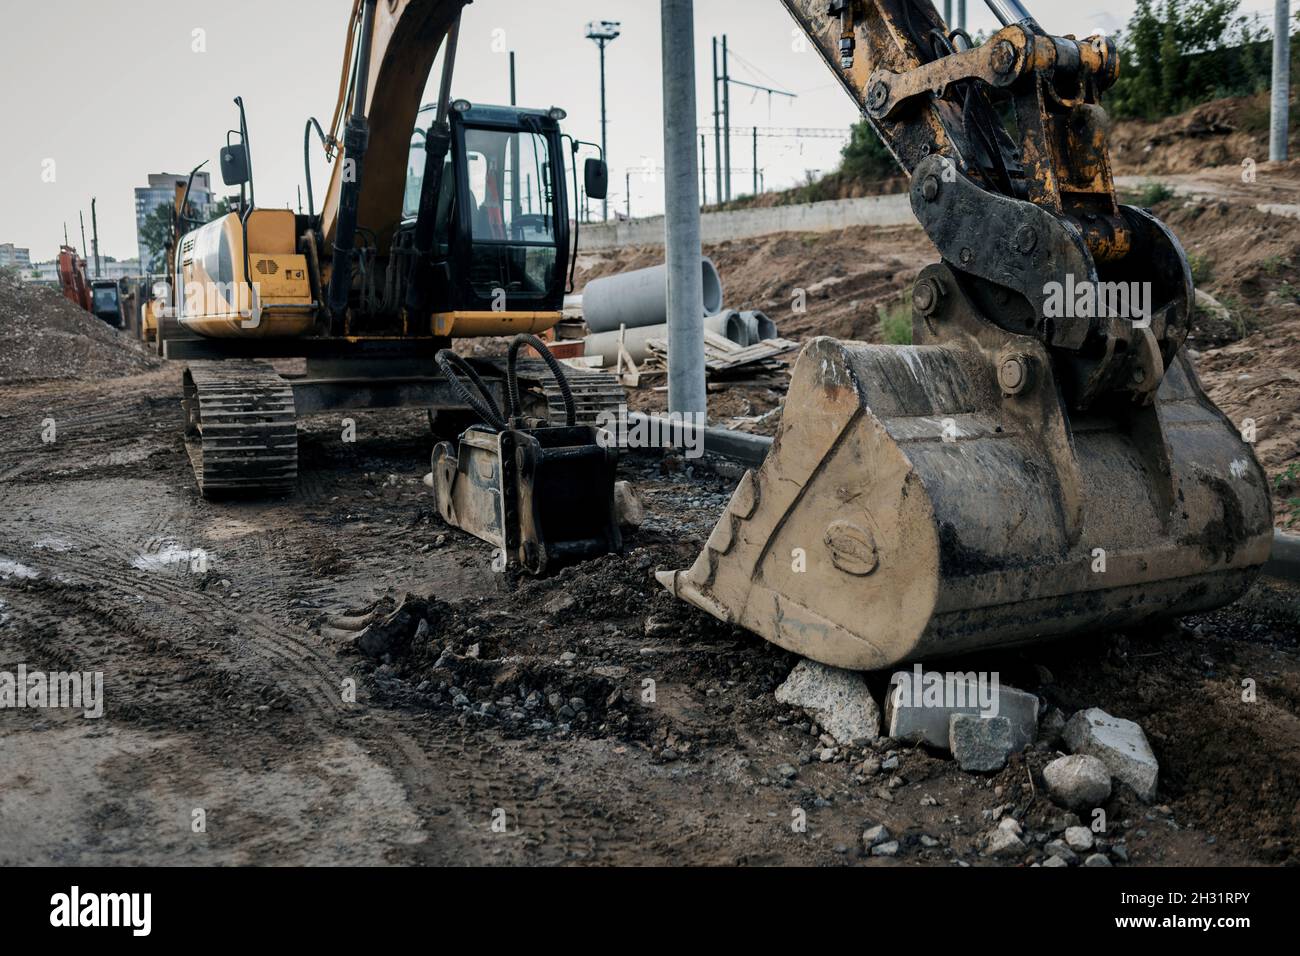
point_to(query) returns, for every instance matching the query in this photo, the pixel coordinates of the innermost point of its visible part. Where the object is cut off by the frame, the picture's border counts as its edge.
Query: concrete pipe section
(640, 298)
(605, 344)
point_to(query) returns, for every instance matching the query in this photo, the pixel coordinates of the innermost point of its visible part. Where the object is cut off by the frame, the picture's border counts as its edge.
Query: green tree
(865, 157)
(155, 235)
(156, 231)
(1171, 60)
(1178, 53)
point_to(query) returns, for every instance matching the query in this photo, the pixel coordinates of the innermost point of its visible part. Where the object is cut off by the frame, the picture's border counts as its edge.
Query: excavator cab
(499, 208)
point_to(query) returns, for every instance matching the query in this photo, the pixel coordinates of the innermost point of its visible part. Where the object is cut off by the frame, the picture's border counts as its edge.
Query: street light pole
(685, 287)
(717, 122)
(603, 32)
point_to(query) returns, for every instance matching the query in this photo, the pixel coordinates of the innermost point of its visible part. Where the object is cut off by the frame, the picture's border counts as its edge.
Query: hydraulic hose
(515, 406)
(483, 404)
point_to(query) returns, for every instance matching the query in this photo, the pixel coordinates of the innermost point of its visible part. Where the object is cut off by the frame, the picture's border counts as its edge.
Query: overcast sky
(112, 91)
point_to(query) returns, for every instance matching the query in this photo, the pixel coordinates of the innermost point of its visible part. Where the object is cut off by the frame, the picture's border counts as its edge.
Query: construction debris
(840, 699)
(914, 714)
(627, 506)
(1119, 744)
(1079, 782)
(979, 744)
(724, 358)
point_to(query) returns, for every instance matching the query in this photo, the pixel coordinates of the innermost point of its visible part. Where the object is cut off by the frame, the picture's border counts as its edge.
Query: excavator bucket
(910, 508)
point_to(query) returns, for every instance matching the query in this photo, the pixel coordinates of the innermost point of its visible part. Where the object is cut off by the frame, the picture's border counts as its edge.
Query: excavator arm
(1007, 140)
(395, 55)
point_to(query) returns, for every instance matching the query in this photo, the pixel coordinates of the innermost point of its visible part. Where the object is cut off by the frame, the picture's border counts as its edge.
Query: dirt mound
(1219, 133)
(827, 189)
(1258, 379)
(822, 283)
(44, 336)
(1245, 258)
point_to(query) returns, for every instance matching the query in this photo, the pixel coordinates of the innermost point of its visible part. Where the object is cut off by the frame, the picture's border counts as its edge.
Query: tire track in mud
(288, 659)
(459, 778)
(139, 412)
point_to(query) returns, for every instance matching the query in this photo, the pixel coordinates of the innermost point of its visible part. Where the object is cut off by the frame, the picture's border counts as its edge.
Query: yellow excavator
(1042, 461)
(442, 222)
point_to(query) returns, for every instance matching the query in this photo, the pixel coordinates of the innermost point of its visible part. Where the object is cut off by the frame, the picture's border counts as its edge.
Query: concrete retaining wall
(891, 210)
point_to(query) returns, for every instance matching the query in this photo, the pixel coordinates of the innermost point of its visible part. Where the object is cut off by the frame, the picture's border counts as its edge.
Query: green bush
(1202, 268)
(896, 323)
(1152, 193)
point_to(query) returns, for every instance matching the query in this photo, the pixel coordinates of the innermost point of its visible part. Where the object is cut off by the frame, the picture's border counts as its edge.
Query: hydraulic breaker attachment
(928, 500)
(542, 495)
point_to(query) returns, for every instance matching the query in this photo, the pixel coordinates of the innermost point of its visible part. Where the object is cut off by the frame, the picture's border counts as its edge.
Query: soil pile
(1219, 133)
(44, 336)
(815, 283)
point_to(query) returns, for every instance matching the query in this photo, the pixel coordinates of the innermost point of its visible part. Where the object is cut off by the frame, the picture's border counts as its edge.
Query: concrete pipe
(640, 298)
(762, 328)
(605, 344)
(758, 327)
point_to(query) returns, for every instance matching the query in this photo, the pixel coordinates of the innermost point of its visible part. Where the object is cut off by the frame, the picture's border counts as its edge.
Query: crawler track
(240, 429)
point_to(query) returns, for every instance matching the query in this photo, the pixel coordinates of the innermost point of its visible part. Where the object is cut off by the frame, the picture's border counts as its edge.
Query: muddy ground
(226, 682)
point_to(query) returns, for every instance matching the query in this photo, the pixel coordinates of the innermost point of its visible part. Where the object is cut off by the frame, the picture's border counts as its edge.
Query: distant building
(109, 268)
(45, 271)
(15, 257)
(162, 191)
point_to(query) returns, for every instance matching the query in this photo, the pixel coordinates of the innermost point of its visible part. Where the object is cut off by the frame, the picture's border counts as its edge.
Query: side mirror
(234, 165)
(596, 174)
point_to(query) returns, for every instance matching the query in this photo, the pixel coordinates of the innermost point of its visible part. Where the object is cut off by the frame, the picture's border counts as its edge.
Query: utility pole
(1279, 120)
(629, 196)
(717, 122)
(94, 231)
(605, 32)
(84, 247)
(704, 168)
(723, 137)
(686, 386)
(726, 115)
(961, 14)
(947, 13)
(513, 101)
